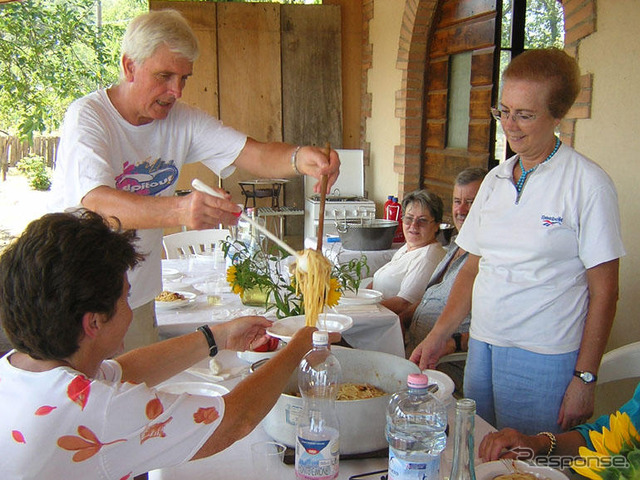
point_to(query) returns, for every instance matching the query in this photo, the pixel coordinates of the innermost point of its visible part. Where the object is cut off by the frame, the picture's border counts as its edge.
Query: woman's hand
(509, 443)
(577, 404)
(429, 351)
(242, 333)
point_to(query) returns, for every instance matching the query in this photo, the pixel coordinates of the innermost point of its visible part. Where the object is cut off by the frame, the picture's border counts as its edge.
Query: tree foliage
(52, 52)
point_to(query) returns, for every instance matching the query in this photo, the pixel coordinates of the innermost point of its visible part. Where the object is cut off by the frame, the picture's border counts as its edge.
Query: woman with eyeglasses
(404, 279)
(541, 279)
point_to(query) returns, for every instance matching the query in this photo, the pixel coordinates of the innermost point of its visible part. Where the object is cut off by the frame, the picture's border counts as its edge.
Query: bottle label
(317, 459)
(401, 469)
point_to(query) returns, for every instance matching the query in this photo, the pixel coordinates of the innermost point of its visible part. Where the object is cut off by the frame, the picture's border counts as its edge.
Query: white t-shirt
(531, 289)
(60, 425)
(99, 147)
(407, 273)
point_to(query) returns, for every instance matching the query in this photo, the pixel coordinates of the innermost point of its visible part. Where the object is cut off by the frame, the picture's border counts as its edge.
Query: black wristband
(206, 331)
(457, 337)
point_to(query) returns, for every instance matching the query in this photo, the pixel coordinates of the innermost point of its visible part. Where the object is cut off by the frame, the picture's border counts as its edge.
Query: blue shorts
(517, 388)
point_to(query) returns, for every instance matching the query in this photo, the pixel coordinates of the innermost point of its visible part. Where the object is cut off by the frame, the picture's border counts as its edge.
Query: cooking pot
(362, 422)
(366, 235)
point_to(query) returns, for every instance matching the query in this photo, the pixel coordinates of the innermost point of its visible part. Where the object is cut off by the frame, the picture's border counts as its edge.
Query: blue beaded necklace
(523, 176)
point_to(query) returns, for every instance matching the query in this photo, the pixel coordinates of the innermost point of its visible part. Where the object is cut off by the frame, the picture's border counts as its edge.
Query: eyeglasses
(518, 117)
(420, 221)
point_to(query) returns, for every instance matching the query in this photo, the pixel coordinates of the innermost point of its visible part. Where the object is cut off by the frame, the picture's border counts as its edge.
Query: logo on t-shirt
(548, 221)
(147, 178)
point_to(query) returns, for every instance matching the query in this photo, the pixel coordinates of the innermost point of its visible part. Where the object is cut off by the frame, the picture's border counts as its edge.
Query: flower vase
(254, 297)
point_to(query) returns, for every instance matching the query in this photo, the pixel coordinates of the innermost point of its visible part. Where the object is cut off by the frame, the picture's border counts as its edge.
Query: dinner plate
(194, 388)
(285, 329)
(363, 297)
(170, 274)
(490, 470)
(188, 297)
(444, 382)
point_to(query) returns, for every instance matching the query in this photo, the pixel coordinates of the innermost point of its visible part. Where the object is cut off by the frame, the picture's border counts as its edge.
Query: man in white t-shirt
(121, 151)
(72, 406)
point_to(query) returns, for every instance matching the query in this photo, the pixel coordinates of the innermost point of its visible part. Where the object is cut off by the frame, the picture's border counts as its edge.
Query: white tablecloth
(374, 326)
(234, 463)
(335, 252)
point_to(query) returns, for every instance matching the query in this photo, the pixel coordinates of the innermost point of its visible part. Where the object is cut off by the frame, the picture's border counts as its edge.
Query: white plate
(444, 382)
(188, 297)
(194, 388)
(490, 470)
(170, 273)
(252, 357)
(285, 329)
(363, 297)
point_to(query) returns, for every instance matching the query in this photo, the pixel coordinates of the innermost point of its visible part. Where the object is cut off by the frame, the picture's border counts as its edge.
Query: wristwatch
(586, 377)
(457, 337)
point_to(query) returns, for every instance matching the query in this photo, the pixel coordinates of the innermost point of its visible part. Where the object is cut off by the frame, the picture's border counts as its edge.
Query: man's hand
(199, 210)
(241, 333)
(313, 161)
(429, 351)
(577, 405)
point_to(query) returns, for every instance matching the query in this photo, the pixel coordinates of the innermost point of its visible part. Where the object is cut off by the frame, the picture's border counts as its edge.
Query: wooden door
(463, 46)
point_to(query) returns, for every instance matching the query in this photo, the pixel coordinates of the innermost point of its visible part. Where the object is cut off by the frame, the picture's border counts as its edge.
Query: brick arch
(418, 17)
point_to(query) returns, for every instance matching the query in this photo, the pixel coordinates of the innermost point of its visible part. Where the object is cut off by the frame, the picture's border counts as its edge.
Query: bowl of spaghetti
(368, 380)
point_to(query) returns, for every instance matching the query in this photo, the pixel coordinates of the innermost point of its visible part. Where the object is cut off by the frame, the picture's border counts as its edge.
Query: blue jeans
(517, 388)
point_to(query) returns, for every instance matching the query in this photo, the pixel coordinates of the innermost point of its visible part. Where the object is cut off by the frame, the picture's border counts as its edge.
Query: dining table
(235, 463)
(374, 327)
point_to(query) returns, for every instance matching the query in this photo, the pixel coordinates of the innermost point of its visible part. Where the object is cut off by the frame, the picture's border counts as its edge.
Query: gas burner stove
(337, 198)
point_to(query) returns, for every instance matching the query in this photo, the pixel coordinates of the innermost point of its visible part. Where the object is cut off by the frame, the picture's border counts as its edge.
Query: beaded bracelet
(552, 440)
(208, 334)
(294, 161)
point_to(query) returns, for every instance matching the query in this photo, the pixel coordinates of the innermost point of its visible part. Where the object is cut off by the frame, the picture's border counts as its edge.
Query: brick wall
(418, 17)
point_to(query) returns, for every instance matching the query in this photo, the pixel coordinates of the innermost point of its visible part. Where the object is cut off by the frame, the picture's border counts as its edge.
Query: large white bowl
(285, 328)
(362, 422)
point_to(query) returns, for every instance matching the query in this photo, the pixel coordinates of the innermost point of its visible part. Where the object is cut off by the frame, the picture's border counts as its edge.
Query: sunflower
(334, 293)
(620, 439)
(232, 278)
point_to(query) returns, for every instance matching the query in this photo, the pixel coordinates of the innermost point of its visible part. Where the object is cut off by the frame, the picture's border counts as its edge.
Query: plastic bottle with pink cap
(416, 431)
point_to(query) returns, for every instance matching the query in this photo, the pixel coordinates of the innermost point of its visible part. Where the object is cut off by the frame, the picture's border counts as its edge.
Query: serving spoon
(301, 261)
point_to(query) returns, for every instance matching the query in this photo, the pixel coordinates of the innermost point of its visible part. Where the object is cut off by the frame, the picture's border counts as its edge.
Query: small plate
(363, 297)
(285, 329)
(170, 274)
(188, 297)
(490, 470)
(194, 388)
(444, 382)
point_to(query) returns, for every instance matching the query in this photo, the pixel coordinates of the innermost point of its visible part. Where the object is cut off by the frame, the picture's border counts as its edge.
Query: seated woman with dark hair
(403, 280)
(77, 413)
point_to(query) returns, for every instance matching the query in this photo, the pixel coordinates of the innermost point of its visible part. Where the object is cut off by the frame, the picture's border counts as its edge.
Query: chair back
(620, 363)
(192, 242)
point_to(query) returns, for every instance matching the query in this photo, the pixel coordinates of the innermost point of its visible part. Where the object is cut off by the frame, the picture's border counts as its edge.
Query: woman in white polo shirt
(541, 279)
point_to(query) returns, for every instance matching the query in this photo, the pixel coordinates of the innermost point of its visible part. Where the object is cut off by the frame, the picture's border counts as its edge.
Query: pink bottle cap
(417, 380)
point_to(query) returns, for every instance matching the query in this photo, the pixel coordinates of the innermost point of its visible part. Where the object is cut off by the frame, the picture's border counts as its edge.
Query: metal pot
(362, 422)
(366, 235)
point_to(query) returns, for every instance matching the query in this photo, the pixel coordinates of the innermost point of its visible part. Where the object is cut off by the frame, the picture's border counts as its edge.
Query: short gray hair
(148, 31)
(470, 175)
(428, 200)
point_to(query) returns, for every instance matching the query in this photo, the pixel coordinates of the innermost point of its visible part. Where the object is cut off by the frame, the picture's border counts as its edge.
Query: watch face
(587, 377)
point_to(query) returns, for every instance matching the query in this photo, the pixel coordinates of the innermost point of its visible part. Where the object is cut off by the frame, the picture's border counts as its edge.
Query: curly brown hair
(63, 266)
(552, 67)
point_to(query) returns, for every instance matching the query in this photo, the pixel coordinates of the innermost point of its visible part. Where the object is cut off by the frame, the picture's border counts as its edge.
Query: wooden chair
(192, 242)
(620, 363)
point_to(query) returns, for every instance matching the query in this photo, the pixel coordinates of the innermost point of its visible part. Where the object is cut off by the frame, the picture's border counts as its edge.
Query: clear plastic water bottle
(317, 431)
(416, 424)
